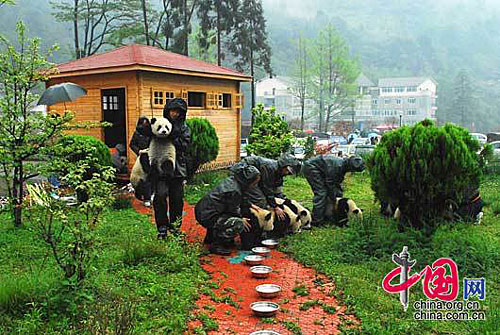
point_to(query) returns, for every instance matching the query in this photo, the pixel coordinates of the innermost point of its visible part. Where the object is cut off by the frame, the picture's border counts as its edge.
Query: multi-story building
(393, 100)
(278, 92)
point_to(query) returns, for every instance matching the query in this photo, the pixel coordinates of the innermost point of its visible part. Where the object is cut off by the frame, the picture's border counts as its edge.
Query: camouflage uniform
(325, 174)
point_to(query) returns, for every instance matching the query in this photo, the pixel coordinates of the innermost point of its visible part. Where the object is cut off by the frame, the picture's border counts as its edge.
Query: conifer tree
(250, 45)
(218, 16)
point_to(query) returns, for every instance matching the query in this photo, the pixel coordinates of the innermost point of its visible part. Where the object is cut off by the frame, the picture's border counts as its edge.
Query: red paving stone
(235, 281)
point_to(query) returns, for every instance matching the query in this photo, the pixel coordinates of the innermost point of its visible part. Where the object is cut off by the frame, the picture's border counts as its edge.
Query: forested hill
(406, 38)
(437, 38)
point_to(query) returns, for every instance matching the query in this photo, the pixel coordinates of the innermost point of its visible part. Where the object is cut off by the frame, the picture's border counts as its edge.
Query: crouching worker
(220, 210)
(325, 174)
(471, 208)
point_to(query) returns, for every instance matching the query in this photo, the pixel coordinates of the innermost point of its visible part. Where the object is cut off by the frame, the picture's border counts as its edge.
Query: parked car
(496, 148)
(480, 137)
(299, 152)
(492, 137)
(361, 141)
(338, 139)
(344, 150)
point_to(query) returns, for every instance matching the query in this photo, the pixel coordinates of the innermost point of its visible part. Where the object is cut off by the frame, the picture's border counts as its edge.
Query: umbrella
(370, 135)
(61, 93)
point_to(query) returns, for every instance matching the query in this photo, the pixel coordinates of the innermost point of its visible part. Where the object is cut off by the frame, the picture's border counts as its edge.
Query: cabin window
(226, 100)
(220, 100)
(158, 98)
(169, 96)
(196, 99)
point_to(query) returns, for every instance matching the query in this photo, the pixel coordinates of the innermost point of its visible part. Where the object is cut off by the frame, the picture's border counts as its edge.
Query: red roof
(145, 55)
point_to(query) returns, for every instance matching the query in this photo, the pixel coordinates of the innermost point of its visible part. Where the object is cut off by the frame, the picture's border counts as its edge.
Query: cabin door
(113, 111)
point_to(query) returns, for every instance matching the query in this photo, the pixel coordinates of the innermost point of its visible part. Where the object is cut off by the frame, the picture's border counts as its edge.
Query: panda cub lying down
(342, 210)
(158, 160)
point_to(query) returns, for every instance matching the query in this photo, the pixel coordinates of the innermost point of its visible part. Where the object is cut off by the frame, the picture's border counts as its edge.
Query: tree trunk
(218, 35)
(253, 84)
(144, 13)
(17, 188)
(302, 114)
(75, 27)
(186, 31)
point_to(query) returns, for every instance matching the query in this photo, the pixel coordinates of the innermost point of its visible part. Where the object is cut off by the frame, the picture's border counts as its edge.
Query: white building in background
(278, 92)
(408, 100)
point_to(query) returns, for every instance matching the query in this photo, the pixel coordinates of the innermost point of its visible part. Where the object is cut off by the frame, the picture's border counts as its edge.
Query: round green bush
(423, 169)
(204, 146)
(77, 148)
(270, 136)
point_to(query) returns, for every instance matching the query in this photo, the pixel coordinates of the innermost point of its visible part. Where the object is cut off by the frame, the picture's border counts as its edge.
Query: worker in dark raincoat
(220, 210)
(167, 187)
(325, 174)
(140, 141)
(271, 180)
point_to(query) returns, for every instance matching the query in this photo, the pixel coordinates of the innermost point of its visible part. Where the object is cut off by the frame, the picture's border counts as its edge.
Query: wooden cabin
(135, 80)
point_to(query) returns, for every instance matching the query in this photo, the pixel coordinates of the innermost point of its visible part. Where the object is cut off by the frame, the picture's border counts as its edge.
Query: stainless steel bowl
(261, 271)
(254, 259)
(268, 291)
(264, 309)
(271, 244)
(261, 250)
(265, 332)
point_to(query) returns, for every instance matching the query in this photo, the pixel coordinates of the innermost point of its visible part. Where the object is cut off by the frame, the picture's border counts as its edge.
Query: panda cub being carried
(158, 160)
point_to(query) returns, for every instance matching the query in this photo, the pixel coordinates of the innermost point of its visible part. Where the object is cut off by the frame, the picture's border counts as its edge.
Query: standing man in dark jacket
(172, 188)
(220, 210)
(140, 141)
(271, 180)
(325, 174)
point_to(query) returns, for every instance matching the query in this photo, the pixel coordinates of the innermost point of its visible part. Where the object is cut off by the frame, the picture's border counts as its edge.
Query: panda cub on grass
(261, 220)
(342, 210)
(297, 208)
(158, 159)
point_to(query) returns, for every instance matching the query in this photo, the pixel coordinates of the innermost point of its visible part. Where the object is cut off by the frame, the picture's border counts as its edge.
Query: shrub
(84, 153)
(423, 169)
(204, 145)
(77, 148)
(270, 136)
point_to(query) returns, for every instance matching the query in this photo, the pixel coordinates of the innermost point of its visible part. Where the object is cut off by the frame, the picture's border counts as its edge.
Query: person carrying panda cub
(325, 174)
(220, 210)
(169, 186)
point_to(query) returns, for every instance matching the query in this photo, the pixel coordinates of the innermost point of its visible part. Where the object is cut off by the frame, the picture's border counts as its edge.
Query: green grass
(358, 257)
(137, 282)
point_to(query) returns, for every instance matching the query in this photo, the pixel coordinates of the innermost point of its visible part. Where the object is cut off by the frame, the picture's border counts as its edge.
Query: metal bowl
(271, 244)
(261, 250)
(268, 291)
(265, 332)
(265, 309)
(261, 271)
(254, 259)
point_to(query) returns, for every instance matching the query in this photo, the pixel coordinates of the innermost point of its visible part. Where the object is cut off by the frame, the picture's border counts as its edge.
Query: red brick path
(236, 282)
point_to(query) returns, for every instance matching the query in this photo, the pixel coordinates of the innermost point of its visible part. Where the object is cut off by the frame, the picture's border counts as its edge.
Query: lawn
(358, 257)
(138, 285)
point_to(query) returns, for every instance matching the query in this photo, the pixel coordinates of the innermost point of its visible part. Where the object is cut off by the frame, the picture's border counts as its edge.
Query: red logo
(440, 281)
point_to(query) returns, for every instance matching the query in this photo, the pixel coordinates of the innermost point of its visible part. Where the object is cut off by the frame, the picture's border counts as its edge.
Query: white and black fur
(291, 223)
(161, 148)
(343, 210)
(140, 171)
(261, 220)
(296, 207)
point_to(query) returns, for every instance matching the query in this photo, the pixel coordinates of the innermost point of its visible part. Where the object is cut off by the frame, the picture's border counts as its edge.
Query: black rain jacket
(226, 198)
(142, 136)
